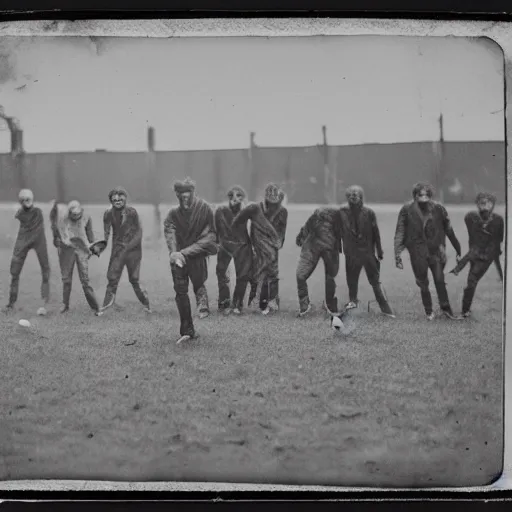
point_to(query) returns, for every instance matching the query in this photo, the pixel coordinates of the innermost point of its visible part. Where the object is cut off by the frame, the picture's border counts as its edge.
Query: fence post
(253, 168)
(325, 148)
(61, 180)
(439, 164)
(153, 181)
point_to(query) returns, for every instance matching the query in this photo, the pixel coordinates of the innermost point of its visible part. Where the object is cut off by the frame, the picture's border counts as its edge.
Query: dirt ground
(401, 402)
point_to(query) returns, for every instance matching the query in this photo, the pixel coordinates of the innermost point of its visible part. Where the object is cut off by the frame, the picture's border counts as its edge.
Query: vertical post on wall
(61, 180)
(334, 166)
(325, 151)
(252, 166)
(439, 178)
(153, 181)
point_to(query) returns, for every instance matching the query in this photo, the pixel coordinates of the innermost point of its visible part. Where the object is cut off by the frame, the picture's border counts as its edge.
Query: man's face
(423, 198)
(185, 199)
(485, 207)
(354, 197)
(236, 199)
(26, 200)
(118, 201)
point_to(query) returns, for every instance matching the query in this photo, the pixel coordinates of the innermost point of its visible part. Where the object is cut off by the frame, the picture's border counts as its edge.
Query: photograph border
(499, 32)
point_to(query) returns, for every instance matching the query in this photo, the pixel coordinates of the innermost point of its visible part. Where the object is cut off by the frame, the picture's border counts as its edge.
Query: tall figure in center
(362, 247)
(269, 219)
(190, 235)
(234, 244)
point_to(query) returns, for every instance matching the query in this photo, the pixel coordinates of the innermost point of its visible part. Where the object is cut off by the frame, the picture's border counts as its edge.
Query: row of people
(194, 231)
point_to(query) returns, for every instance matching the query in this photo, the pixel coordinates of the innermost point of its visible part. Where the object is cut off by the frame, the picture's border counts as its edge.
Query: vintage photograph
(252, 259)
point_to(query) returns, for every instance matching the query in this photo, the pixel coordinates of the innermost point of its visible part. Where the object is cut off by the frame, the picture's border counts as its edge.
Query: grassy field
(401, 402)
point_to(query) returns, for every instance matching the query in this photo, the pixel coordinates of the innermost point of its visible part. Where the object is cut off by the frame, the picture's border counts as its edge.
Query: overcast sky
(200, 93)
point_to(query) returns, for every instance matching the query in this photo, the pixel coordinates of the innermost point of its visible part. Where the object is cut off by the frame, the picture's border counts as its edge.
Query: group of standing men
(194, 231)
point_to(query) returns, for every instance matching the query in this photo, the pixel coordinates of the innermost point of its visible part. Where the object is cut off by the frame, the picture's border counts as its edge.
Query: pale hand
(399, 264)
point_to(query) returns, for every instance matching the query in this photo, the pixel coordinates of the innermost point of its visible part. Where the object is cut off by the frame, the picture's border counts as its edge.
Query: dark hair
(418, 187)
(120, 191)
(187, 185)
(234, 189)
(485, 195)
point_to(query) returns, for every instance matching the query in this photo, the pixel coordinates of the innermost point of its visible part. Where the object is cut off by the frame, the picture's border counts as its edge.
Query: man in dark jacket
(31, 235)
(486, 231)
(126, 229)
(234, 244)
(361, 240)
(319, 238)
(422, 228)
(268, 230)
(189, 231)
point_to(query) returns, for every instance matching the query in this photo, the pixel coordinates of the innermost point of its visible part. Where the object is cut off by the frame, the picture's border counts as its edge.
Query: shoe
(430, 316)
(187, 337)
(271, 306)
(64, 309)
(450, 315)
(236, 311)
(148, 310)
(467, 314)
(98, 313)
(203, 314)
(390, 315)
(227, 311)
(8, 308)
(305, 312)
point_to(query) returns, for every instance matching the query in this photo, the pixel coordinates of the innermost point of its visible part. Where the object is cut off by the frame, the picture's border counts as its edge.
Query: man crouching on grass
(486, 232)
(361, 240)
(234, 243)
(72, 234)
(422, 228)
(126, 247)
(319, 238)
(189, 231)
(31, 235)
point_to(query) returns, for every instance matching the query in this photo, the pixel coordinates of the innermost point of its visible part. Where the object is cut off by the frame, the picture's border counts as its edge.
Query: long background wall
(386, 172)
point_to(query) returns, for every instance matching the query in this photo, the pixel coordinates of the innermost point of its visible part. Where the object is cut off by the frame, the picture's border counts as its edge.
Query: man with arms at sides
(72, 234)
(486, 231)
(234, 244)
(189, 231)
(268, 230)
(126, 228)
(319, 238)
(422, 227)
(31, 235)
(361, 240)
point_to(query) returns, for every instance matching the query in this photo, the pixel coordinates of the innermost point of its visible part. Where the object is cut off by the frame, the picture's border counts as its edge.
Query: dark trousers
(68, 257)
(353, 266)
(118, 260)
(420, 267)
(308, 261)
(266, 287)
(243, 267)
(195, 271)
(19, 256)
(477, 270)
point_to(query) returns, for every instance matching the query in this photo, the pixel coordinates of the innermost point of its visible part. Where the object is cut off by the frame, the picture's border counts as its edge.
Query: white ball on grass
(24, 323)
(336, 324)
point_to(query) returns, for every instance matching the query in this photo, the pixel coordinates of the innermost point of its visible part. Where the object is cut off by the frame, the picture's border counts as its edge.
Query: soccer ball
(336, 324)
